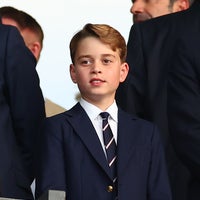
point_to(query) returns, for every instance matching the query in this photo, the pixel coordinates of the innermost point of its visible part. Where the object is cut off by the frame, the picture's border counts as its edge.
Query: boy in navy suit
(74, 155)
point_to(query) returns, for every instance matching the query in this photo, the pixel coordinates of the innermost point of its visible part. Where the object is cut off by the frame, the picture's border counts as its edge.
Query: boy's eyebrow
(84, 56)
(109, 55)
(88, 56)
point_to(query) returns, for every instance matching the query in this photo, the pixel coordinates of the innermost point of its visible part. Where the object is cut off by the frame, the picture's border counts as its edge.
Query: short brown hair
(23, 20)
(27, 21)
(105, 34)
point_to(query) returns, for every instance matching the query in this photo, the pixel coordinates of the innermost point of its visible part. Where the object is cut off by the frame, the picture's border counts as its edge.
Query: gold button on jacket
(110, 188)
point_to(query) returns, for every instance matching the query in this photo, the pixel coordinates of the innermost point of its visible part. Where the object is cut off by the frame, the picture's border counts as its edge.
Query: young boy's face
(97, 70)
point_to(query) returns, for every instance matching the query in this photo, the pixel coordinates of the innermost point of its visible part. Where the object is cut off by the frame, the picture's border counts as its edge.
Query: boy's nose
(96, 68)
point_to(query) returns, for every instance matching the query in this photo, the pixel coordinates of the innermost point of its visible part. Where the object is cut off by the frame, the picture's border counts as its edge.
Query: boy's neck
(102, 104)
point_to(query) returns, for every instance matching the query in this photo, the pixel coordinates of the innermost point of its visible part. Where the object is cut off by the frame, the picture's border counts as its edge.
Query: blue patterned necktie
(110, 145)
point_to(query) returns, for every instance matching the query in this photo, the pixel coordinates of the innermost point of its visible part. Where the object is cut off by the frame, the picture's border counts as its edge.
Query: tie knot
(104, 115)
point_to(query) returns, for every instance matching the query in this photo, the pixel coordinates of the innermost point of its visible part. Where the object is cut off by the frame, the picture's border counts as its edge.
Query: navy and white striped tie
(110, 145)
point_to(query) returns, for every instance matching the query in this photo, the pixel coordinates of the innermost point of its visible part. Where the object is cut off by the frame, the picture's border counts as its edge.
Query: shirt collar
(93, 111)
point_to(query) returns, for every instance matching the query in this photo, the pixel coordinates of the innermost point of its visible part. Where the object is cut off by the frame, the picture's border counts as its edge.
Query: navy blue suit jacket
(21, 111)
(152, 50)
(71, 159)
(184, 99)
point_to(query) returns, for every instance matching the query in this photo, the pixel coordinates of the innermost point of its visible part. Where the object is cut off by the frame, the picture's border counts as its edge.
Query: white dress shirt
(93, 113)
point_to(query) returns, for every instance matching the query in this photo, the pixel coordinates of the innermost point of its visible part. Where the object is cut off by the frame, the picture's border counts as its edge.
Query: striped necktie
(110, 145)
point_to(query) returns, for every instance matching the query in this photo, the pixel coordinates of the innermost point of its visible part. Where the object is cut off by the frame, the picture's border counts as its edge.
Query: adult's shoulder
(4, 33)
(167, 26)
(11, 38)
(174, 19)
(8, 29)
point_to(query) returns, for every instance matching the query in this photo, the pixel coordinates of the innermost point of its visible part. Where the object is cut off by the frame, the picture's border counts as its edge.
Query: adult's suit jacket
(21, 111)
(151, 50)
(184, 100)
(71, 158)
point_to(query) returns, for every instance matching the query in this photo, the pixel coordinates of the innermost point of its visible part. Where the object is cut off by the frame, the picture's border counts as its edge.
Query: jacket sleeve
(158, 185)
(24, 95)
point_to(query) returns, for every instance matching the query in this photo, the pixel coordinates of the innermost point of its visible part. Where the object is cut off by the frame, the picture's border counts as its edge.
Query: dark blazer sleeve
(130, 94)
(184, 102)
(158, 186)
(23, 94)
(51, 173)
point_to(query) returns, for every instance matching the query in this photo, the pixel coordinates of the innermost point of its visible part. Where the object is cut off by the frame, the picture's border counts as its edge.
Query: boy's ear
(180, 5)
(124, 71)
(72, 73)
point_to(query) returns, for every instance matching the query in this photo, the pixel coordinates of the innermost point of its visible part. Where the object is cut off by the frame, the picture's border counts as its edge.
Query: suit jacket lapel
(84, 128)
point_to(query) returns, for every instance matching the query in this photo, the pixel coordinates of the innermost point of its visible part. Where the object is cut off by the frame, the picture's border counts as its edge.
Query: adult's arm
(24, 96)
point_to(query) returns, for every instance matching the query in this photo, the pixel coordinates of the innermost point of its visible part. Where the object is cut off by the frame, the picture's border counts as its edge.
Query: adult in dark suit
(143, 10)
(150, 56)
(33, 36)
(73, 156)
(21, 111)
(28, 26)
(184, 99)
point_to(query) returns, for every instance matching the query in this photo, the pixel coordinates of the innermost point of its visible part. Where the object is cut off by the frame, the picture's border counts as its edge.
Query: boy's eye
(107, 61)
(85, 62)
